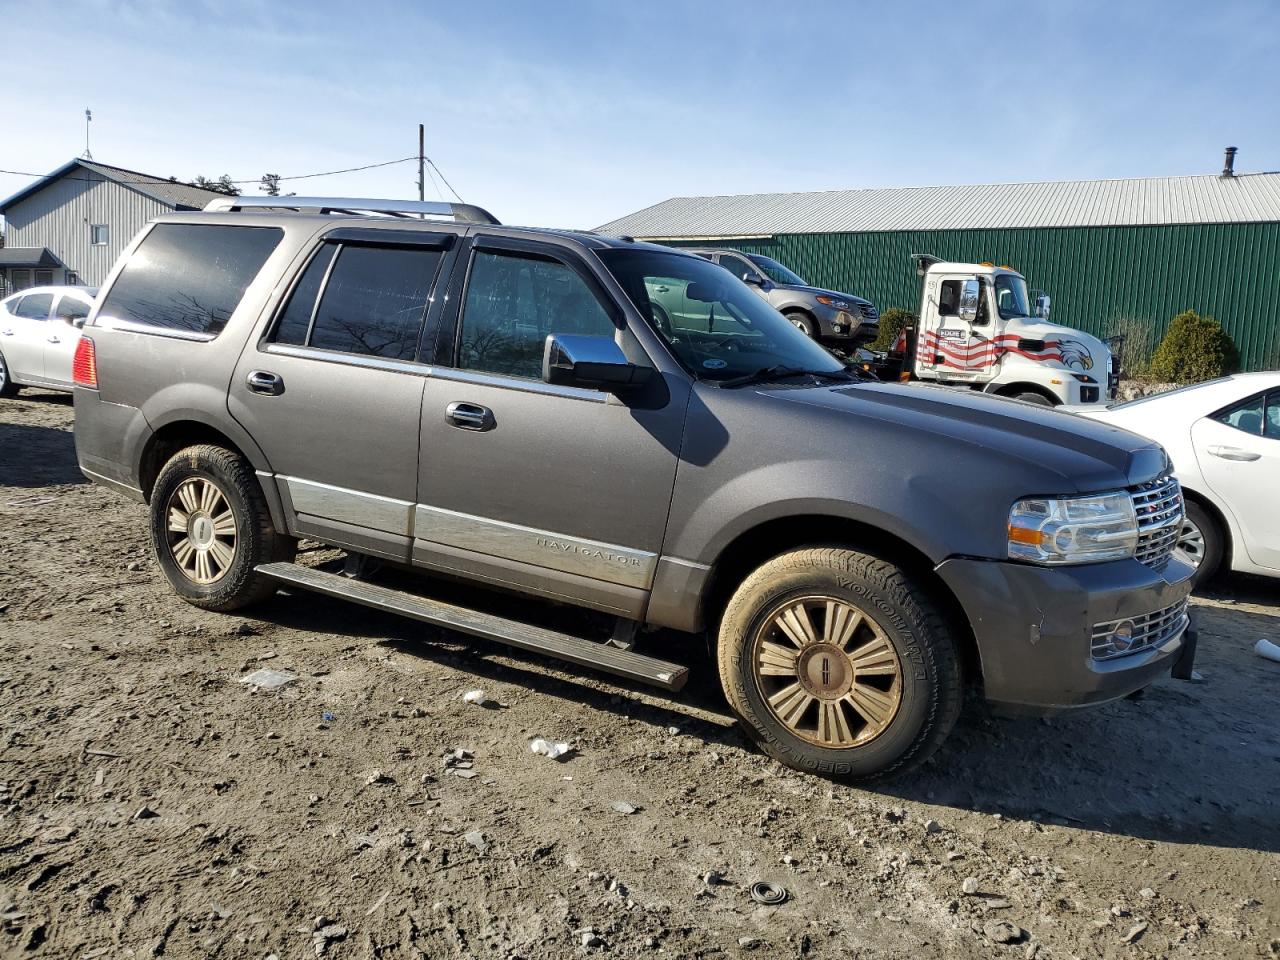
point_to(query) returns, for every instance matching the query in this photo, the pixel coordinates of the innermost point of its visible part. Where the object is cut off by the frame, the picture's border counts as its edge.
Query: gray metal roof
(28, 257)
(180, 196)
(1246, 198)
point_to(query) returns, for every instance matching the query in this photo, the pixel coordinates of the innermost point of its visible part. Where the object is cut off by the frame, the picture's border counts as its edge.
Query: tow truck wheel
(838, 663)
(1039, 399)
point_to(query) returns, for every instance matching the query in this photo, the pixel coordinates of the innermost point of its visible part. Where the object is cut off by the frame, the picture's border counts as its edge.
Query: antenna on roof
(88, 118)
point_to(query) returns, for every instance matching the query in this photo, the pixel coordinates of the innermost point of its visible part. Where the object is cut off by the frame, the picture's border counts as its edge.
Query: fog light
(1122, 636)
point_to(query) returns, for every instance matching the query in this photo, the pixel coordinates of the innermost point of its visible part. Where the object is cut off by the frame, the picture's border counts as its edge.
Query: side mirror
(1042, 306)
(754, 279)
(593, 362)
(970, 294)
(78, 322)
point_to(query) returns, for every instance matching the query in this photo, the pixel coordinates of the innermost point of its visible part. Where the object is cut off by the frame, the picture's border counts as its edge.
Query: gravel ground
(152, 803)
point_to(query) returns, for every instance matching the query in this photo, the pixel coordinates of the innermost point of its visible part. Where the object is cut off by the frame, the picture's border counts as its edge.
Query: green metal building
(1115, 255)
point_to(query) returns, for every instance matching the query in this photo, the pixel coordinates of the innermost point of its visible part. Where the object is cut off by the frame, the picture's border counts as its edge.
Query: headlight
(833, 302)
(1073, 529)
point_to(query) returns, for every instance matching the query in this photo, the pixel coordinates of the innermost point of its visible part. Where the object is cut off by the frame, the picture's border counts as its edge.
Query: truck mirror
(970, 292)
(598, 363)
(1042, 306)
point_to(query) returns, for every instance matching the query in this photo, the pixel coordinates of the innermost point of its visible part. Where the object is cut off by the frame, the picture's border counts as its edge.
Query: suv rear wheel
(210, 528)
(837, 663)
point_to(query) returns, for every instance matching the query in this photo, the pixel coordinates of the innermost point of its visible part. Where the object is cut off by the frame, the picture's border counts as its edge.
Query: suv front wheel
(838, 663)
(210, 528)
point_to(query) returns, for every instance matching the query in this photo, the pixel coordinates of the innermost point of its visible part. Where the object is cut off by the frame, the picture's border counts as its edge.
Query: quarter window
(295, 321)
(513, 303)
(188, 276)
(35, 306)
(375, 301)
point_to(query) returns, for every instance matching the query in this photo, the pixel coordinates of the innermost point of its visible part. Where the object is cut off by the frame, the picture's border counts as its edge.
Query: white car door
(1238, 451)
(62, 336)
(22, 334)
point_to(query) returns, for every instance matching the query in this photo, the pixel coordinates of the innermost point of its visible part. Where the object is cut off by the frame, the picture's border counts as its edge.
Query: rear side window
(189, 276)
(373, 302)
(1246, 416)
(35, 306)
(72, 308)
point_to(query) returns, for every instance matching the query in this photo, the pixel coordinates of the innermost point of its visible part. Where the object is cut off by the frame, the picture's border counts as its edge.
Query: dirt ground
(153, 804)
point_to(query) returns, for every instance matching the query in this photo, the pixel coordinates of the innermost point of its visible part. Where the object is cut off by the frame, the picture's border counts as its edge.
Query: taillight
(84, 368)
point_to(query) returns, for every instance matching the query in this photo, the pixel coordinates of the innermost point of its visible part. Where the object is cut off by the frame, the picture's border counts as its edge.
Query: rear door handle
(1234, 453)
(469, 416)
(8, 332)
(266, 383)
(54, 340)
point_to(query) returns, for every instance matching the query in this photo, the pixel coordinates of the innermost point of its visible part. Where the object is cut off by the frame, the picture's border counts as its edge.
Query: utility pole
(422, 163)
(88, 117)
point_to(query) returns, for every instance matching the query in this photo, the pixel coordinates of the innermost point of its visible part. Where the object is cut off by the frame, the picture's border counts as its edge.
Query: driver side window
(738, 266)
(514, 301)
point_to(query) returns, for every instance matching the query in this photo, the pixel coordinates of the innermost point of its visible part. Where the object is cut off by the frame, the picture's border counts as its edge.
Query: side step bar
(586, 653)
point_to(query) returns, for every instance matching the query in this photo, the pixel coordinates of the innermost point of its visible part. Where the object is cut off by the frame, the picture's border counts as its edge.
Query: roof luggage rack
(355, 207)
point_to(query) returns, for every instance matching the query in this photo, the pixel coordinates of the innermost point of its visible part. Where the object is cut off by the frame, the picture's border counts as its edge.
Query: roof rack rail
(355, 206)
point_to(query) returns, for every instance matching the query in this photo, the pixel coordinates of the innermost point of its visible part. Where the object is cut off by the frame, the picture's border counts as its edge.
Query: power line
(147, 178)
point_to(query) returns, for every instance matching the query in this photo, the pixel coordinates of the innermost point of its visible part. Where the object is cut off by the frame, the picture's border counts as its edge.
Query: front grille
(1149, 630)
(869, 311)
(1158, 505)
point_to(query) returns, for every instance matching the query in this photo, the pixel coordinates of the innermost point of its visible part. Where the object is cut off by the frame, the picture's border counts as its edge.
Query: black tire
(929, 684)
(7, 387)
(804, 323)
(1030, 396)
(662, 319)
(1201, 543)
(255, 540)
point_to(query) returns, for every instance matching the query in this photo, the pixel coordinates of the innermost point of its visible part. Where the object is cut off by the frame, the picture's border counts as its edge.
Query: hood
(1059, 451)
(819, 291)
(1080, 351)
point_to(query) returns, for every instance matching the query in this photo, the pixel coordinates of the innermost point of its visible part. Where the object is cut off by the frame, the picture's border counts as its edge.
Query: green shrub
(891, 321)
(1194, 348)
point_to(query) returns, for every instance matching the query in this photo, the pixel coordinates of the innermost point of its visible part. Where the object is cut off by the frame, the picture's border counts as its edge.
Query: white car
(1224, 439)
(39, 330)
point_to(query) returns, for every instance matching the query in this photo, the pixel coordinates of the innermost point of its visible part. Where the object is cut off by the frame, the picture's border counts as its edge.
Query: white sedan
(1224, 439)
(39, 330)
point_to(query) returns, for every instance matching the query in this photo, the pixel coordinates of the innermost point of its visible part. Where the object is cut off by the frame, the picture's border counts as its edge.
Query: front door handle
(1234, 453)
(55, 340)
(8, 332)
(266, 383)
(469, 416)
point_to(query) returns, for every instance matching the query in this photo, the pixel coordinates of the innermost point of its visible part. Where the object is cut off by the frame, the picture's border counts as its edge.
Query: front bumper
(846, 325)
(1034, 628)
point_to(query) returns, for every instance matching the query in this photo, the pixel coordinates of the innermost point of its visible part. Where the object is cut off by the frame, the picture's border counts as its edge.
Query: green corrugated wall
(1095, 275)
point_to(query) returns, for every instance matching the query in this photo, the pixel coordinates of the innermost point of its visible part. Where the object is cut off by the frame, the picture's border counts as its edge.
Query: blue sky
(573, 113)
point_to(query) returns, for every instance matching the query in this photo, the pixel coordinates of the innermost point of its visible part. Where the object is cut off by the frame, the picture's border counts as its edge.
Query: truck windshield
(1011, 296)
(776, 271)
(717, 326)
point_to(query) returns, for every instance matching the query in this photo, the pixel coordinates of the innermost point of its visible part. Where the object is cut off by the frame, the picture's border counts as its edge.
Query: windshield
(717, 326)
(776, 271)
(1011, 296)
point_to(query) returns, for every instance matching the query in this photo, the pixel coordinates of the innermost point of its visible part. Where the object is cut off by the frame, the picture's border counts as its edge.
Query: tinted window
(375, 300)
(35, 306)
(513, 303)
(1245, 416)
(188, 276)
(948, 298)
(296, 319)
(72, 308)
(1271, 427)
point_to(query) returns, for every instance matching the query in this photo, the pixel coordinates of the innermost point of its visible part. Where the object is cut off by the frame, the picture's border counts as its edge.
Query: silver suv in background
(837, 319)
(506, 406)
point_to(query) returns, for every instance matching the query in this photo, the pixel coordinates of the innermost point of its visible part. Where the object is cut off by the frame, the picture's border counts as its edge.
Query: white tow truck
(978, 330)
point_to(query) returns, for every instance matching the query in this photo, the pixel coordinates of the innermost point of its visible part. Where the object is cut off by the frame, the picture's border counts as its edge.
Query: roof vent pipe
(1229, 165)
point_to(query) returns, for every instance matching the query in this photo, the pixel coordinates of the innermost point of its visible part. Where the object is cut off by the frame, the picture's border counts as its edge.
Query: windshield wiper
(778, 372)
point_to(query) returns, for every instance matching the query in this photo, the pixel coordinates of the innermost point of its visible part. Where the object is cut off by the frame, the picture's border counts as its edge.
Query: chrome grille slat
(869, 311)
(1159, 506)
(1149, 630)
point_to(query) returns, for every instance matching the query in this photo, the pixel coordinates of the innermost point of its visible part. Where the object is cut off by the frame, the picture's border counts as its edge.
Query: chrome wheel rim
(827, 671)
(201, 528)
(1190, 543)
(801, 326)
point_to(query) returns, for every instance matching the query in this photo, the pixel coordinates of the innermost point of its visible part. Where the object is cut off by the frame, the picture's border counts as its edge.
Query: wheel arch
(1218, 517)
(173, 436)
(1013, 389)
(766, 540)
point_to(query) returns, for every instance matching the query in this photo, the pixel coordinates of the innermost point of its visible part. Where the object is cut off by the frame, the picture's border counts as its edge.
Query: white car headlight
(1058, 530)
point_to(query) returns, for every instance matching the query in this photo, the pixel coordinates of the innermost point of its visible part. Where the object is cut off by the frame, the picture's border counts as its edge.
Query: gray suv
(839, 319)
(503, 406)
